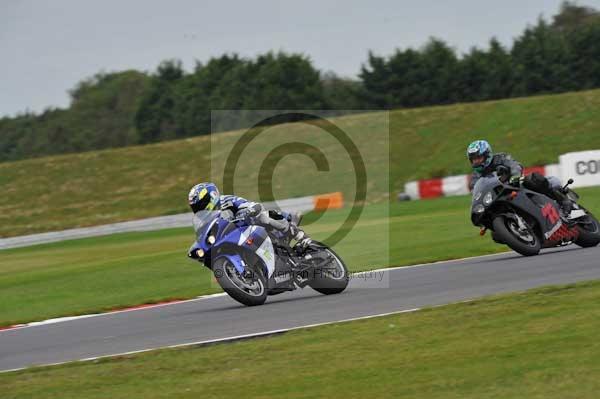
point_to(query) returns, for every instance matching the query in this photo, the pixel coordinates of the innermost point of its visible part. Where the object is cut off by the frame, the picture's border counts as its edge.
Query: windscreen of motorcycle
(202, 221)
(483, 186)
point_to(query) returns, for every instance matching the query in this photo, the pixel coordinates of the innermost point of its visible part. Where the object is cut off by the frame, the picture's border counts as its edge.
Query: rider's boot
(295, 218)
(301, 238)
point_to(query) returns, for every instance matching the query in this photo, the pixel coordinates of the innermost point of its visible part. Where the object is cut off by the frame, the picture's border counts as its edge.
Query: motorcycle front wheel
(248, 288)
(522, 241)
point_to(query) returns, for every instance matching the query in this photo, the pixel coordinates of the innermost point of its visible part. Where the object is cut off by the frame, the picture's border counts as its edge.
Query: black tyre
(524, 242)
(332, 278)
(589, 232)
(249, 288)
(496, 239)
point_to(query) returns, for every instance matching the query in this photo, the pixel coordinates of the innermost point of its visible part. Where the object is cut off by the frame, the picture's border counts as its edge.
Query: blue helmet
(476, 151)
(204, 196)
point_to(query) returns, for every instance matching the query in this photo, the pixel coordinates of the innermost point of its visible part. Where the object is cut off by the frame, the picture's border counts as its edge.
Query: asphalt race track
(220, 317)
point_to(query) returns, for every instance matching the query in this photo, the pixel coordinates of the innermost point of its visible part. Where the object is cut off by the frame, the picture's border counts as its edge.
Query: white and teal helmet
(477, 149)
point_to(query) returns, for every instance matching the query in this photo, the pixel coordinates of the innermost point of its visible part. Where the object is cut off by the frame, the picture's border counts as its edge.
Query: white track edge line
(85, 316)
(221, 294)
(241, 337)
(436, 263)
(218, 340)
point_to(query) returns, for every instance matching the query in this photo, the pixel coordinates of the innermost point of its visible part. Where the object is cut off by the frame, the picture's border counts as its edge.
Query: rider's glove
(515, 181)
(255, 209)
(246, 213)
(242, 214)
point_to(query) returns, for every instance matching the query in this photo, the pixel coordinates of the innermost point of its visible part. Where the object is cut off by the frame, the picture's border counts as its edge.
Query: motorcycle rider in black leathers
(484, 163)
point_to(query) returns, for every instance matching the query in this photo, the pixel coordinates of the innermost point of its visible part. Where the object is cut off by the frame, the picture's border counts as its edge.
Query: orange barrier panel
(328, 201)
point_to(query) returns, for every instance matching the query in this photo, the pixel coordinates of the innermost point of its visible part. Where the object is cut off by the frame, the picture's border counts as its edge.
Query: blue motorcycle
(251, 262)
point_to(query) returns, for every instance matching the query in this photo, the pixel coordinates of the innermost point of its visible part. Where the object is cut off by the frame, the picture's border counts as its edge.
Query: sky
(47, 47)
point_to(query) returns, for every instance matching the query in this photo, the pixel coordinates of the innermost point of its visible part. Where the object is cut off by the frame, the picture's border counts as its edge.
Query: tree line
(132, 107)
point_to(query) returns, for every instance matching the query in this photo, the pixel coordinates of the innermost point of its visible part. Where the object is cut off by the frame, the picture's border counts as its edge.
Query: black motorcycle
(528, 221)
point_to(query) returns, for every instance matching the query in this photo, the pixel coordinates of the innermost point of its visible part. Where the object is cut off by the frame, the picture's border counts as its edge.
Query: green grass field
(55, 193)
(538, 344)
(90, 275)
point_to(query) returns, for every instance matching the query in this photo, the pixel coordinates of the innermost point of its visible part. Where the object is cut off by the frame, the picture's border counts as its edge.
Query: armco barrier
(302, 204)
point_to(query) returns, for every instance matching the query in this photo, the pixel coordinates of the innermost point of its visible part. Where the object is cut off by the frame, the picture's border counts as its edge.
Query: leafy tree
(585, 61)
(130, 107)
(500, 72)
(155, 117)
(412, 78)
(196, 95)
(103, 111)
(440, 67)
(407, 73)
(101, 115)
(541, 58)
(375, 77)
(572, 16)
(342, 93)
(485, 75)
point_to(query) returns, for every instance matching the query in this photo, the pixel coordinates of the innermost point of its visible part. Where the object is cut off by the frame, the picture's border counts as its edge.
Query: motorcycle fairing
(267, 254)
(546, 212)
(256, 239)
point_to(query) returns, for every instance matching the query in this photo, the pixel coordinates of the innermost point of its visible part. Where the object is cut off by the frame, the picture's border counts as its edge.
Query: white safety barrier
(459, 185)
(583, 167)
(302, 204)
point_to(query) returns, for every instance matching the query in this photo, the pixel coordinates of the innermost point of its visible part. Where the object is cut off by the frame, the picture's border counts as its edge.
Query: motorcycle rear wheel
(589, 233)
(332, 279)
(527, 244)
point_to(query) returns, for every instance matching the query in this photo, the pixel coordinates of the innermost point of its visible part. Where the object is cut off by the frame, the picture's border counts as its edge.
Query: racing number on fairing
(550, 213)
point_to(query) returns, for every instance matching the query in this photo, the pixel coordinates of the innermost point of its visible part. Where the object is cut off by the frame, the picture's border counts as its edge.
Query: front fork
(521, 223)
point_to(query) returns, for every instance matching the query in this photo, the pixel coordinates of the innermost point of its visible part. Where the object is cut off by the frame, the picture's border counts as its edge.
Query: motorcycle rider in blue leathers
(484, 162)
(206, 197)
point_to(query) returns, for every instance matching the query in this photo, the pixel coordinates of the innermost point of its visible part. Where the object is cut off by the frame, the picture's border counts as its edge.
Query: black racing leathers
(499, 160)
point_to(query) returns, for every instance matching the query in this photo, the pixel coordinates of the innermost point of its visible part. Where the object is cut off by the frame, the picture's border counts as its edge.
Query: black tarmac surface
(220, 317)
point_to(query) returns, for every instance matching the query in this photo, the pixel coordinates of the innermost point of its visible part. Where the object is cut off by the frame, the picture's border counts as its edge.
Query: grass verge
(59, 192)
(537, 344)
